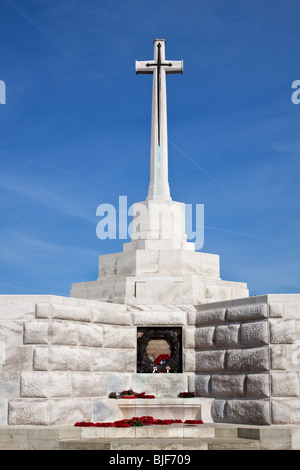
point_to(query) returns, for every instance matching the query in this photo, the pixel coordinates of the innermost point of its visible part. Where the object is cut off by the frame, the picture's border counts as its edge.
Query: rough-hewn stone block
(202, 385)
(248, 411)
(114, 360)
(227, 336)
(254, 359)
(63, 333)
(90, 335)
(68, 358)
(284, 384)
(258, 385)
(62, 358)
(34, 385)
(41, 358)
(254, 333)
(209, 361)
(121, 318)
(278, 357)
(285, 411)
(282, 331)
(276, 309)
(119, 337)
(71, 312)
(89, 385)
(23, 412)
(60, 384)
(45, 385)
(218, 411)
(210, 317)
(69, 411)
(227, 385)
(36, 332)
(247, 312)
(43, 310)
(204, 337)
(63, 312)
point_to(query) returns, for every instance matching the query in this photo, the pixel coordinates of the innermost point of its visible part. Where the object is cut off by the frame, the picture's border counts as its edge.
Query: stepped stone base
(159, 277)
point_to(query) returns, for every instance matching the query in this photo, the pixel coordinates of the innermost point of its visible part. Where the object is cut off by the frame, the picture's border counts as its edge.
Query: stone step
(173, 431)
(223, 443)
(133, 444)
(160, 444)
(200, 437)
(84, 444)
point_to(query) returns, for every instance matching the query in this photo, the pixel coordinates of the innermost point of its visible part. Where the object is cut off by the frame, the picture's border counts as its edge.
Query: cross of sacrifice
(159, 67)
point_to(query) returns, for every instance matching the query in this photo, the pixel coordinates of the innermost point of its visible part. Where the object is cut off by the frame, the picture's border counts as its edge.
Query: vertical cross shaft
(159, 184)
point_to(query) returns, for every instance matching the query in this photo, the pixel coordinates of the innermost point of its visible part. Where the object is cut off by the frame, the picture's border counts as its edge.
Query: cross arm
(144, 66)
(148, 66)
(174, 66)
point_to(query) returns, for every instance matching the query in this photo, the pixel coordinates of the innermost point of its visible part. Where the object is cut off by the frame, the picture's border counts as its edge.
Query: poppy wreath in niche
(162, 358)
(144, 363)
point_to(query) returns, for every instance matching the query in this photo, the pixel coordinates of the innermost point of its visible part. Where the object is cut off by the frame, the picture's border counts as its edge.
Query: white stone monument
(61, 357)
(159, 266)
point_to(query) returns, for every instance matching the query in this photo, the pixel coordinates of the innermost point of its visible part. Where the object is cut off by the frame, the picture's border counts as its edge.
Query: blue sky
(75, 132)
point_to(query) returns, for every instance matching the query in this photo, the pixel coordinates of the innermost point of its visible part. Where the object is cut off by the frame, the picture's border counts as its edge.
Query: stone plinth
(167, 408)
(160, 277)
(159, 266)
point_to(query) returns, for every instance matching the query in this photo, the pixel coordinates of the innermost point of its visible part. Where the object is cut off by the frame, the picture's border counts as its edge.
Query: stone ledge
(167, 408)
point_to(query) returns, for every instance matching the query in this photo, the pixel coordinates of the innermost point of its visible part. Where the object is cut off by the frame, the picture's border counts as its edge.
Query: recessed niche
(159, 350)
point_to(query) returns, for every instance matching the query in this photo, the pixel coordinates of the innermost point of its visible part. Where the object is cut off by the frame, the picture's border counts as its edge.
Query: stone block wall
(247, 356)
(61, 357)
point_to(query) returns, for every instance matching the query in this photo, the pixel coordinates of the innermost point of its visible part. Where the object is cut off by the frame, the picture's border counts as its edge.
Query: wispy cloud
(16, 246)
(55, 198)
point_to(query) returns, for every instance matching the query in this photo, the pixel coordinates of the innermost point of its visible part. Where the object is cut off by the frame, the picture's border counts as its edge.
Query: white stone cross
(159, 184)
